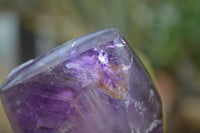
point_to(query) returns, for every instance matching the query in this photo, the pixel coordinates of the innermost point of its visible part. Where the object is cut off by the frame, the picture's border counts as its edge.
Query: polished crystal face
(93, 84)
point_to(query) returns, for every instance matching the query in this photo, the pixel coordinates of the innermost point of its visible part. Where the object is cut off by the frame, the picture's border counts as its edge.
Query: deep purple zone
(55, 99)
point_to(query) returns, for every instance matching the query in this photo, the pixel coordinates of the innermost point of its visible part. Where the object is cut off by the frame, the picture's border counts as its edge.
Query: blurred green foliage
(163, 30)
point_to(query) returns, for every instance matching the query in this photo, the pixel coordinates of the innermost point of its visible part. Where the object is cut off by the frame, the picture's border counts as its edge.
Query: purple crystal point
(93, 84)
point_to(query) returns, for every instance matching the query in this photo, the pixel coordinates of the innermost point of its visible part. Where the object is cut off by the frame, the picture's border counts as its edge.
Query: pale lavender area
(94, 84)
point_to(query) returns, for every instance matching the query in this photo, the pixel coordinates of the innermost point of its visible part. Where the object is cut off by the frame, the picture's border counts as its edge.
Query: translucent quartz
(93, 84)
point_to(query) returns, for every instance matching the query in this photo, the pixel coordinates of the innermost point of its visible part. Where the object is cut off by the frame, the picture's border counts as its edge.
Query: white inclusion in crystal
(125, 68)
(138, 106)
(72, 66)
(154, 124)
(133, 129)
(19, 111)
(128, 100)
(151, 94)
(95, 49)
(137, 130)
(18, 102)
(103, 57)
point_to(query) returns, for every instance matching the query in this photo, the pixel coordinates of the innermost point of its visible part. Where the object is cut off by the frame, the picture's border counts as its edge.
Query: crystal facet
(93, 84)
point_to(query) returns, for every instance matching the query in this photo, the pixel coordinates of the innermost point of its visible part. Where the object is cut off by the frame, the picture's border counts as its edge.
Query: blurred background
(164, 33)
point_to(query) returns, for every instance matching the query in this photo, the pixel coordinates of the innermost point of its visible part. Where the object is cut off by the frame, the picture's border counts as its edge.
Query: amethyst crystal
(93, 84)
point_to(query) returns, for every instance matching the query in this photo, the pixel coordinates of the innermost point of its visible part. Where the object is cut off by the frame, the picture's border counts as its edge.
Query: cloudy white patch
(133, 129)
(103, 57)
(151, 95)
(18, 102)
(154, 124)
